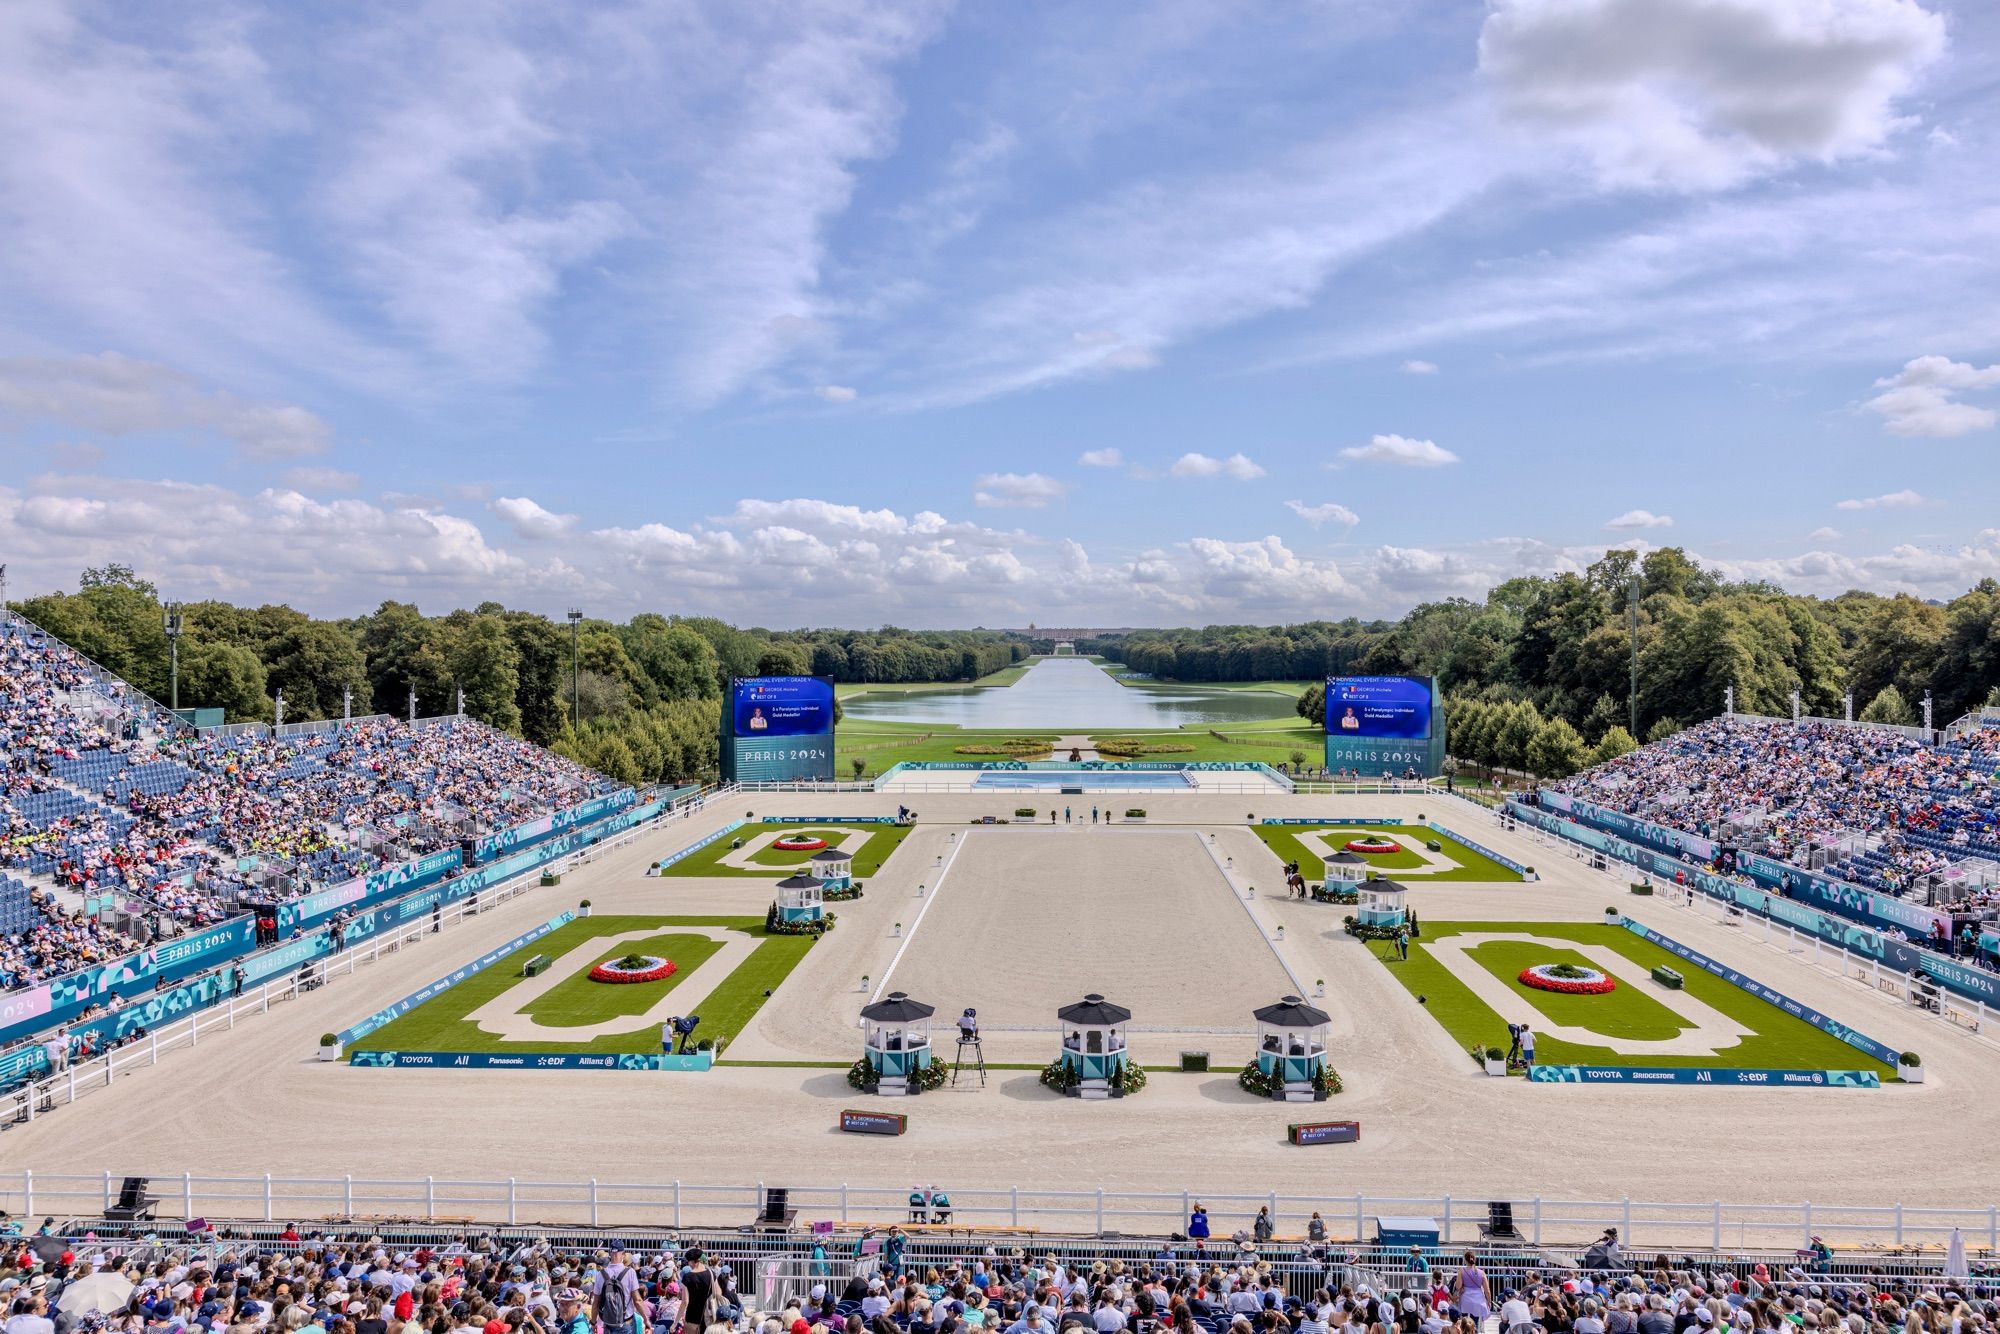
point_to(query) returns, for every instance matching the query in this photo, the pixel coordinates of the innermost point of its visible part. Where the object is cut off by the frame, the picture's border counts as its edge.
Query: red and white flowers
(1568, 979)
(1371, 844)
(649, 969)
(792, 844)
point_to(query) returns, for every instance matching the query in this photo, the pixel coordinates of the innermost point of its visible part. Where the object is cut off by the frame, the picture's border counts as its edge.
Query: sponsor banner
(1972, 983)
(1325, 823)
(450, 980)
(38, 1007)
(534, 831)
(529, 1060)
(1631, 1074)
(372, 888)
(1841, 897)
(1483, 851)
(830, 819)
(1665, 838)
(1881, 1051)
(692, 848)
(1086, 766)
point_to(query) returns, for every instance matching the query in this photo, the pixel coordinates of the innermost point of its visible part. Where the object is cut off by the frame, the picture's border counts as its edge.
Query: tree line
(646, 691)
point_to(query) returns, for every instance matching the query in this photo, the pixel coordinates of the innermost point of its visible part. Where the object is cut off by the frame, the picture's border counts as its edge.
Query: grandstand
(1868, 806)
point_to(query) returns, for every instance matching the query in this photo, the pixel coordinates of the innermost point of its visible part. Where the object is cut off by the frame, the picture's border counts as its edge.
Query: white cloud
(1823, 534)
(322, 479)
(1101, 458)
(1415, 367)
(530, 520)
(1895, 500)
(1194, 464)
(1705, 93)
(1330, 512)
(837, 393)
(1921, 399)
(1634, 519)
(1401, 451)
(109, 394)
(1014, 490)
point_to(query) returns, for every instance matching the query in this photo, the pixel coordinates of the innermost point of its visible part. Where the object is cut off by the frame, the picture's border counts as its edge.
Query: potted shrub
(1611, 916)
(1911, 1067)
(1529, 872)
(583, 908)
(329, 1047)
(1495, 1061)
(1135, 813)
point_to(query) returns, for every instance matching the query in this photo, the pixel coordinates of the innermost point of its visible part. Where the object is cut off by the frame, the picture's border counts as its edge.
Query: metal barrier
(1714, 1225)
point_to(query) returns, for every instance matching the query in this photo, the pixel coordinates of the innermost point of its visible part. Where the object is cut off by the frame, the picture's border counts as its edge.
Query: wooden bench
(1668, 978)
(533, 967)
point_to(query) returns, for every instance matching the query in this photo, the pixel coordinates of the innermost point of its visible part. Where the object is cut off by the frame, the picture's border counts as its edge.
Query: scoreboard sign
(1324, 1132)
(873, 1123)
(777, 729)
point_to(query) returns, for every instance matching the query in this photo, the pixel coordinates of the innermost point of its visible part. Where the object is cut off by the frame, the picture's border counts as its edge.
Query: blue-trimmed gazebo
(1092, 1045)
(1383, 903)
(801, 898)
(896, 1041)
(1291, 1047)
(834, 868)
(1346, 866)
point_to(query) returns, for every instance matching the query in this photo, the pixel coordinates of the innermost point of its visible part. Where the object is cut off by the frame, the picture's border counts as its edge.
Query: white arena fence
(1100, 1214)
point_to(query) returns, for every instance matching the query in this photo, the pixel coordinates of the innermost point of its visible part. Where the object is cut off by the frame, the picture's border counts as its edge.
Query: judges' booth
(897, 1041)
(1093, 1046)
(1291, 1048)
(1384, 903)
(1346, 868)
(801, 898)
(834, 868)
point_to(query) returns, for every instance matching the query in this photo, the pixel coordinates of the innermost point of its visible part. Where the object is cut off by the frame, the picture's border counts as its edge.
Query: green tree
(1611, 745)
(222, 676)
(1556, 750)
(1661, 729)
(486, 666)
(1889, 706)
(311, 664)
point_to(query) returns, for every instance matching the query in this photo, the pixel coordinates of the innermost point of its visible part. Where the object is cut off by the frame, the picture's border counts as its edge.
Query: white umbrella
(1954, 1257)
(105, 1292)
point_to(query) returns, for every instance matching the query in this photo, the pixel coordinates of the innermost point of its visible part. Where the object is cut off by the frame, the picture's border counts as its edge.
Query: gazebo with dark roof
(896, 1042)
(801, 898)
(1291, 1048)
(1093, 1050)
(1348, 866)
(1384, 903)
(835, 867)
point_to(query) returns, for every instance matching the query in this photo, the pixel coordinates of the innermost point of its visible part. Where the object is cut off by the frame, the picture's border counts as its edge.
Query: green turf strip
(882, 842)
(1777, 1041)
(1627, 1012)
(1284, 842)
(440, 1024)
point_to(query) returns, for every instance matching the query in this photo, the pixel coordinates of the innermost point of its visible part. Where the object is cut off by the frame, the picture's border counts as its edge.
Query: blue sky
(1138, 314)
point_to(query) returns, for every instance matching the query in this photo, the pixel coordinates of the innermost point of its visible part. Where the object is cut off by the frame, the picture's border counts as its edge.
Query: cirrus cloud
(1017, 490)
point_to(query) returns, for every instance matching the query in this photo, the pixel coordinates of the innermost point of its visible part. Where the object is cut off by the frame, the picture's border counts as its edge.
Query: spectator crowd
(103, 795)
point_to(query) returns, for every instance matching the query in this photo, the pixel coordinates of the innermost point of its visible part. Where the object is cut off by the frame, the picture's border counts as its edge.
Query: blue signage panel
(450, 980)
(873, 1123)
(1324, 1132)
(1379, 706)
(767, 706)
(529, 1060)
(1631, 1074)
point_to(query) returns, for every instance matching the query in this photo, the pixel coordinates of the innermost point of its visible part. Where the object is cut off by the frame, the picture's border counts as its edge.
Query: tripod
(978, 1061)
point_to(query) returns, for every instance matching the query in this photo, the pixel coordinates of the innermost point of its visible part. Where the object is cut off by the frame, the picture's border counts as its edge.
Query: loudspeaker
(775, 1200)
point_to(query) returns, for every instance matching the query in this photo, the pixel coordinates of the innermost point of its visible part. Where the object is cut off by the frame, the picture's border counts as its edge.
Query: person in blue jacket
(1198, 1226)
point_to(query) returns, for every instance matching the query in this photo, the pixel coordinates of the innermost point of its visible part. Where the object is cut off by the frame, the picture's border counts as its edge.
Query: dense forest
(647, 690)
(1542, 661)
(1560, 646)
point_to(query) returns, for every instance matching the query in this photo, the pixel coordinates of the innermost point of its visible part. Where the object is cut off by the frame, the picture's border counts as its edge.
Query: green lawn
(884, 744)
(883, 840)
(1778, 1041)
(1267, 741)
(1284, 843)
(440, 1023)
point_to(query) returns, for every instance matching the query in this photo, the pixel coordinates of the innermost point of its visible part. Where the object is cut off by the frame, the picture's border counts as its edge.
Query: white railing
(1085, 1211)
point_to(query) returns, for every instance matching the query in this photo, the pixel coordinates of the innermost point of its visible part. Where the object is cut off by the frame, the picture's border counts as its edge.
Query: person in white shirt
(1515, 1315)
(1107, 1317)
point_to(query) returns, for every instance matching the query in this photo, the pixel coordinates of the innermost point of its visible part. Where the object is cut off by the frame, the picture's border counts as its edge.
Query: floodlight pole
(1632, 693)
(575, 635)
(278, 715)
(170, 621)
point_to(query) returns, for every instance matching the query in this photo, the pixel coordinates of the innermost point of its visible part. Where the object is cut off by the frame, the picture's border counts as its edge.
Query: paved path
(1064, 744)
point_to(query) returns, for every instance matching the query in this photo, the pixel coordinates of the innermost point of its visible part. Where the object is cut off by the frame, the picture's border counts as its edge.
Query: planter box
(1612, 917)
(1497, 1068)
(1642, 889)
(1668, 978)
(1194, 1061)
(1911, 1074)
(329, 1053)
(551, 878)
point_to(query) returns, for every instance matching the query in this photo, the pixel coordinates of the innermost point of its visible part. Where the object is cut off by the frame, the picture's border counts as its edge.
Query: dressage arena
(1016, 921)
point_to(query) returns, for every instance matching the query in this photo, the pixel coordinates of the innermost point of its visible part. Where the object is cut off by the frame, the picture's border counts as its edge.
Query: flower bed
(791, 844)
(1568, 979)
(634, 968)
(1375, 845)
